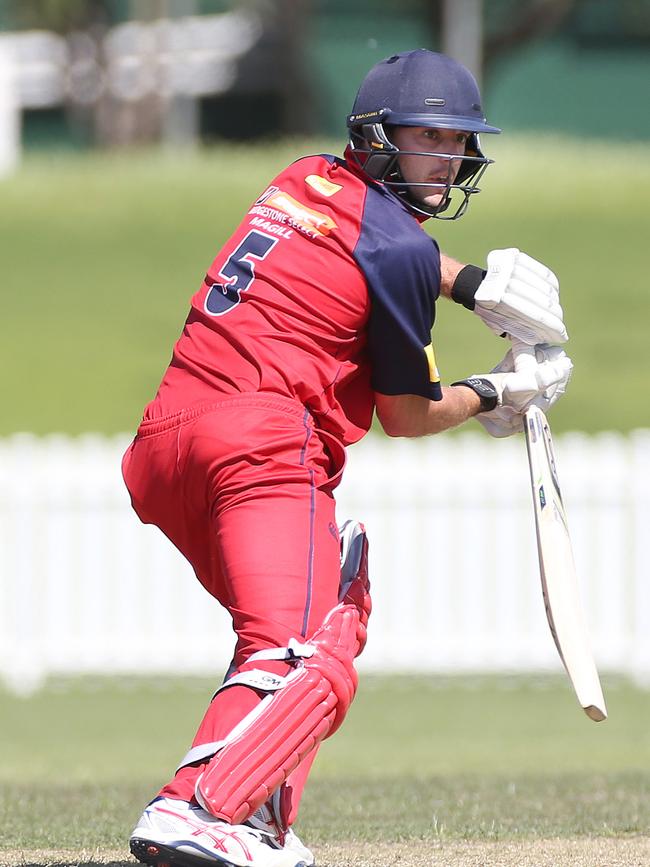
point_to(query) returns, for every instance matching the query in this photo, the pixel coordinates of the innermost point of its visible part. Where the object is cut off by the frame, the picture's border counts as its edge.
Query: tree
(61, 16)
(525, 22)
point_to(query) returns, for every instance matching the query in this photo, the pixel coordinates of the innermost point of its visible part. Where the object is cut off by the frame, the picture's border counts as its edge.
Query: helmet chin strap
(420, 207)
(437, 211)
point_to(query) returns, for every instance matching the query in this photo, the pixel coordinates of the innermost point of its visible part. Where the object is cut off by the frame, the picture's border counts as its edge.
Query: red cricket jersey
(325, 293)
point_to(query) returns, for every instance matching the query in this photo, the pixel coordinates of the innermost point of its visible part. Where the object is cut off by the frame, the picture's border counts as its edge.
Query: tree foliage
(61, 16)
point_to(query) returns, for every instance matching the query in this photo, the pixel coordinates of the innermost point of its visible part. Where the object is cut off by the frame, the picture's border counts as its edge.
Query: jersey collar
(353, 166)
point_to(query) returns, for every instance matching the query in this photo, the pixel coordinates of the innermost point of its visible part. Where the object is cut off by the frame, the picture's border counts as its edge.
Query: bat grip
(524, 358)
(523, 355)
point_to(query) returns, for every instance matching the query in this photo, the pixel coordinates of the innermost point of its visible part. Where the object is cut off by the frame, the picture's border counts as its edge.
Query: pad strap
(256, 678)
(293, 650)
(200, 753)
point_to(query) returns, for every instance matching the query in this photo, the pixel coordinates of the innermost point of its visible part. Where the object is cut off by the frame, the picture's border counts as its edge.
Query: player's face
(417, 169)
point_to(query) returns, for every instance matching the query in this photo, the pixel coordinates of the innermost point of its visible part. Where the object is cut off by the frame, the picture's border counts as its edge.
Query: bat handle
(524, 358)
(523, 355)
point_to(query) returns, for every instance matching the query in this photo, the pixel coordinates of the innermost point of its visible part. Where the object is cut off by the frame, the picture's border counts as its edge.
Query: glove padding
(520, 297)
(540, 381)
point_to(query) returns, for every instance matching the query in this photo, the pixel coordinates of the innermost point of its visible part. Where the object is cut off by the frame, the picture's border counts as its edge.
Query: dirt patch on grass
(595, 852)
(588, 852)
(64, 857)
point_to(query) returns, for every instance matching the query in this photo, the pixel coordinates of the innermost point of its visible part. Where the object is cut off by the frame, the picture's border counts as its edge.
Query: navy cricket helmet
(419, 88)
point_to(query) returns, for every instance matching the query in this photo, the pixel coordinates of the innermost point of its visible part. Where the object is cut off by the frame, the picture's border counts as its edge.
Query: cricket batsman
(315, 314)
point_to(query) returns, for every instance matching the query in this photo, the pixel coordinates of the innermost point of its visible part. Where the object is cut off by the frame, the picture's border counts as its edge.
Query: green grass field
(101, 253)
(468, 770)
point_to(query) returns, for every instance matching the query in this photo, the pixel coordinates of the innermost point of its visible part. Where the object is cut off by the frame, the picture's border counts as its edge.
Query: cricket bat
(560, 587)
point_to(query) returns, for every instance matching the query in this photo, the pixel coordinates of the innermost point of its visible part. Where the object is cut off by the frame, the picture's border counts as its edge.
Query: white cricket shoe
(173, 832)
(264, 820)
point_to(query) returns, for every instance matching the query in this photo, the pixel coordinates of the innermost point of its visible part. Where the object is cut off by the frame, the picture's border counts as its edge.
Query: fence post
(462, 36)
(9, 114)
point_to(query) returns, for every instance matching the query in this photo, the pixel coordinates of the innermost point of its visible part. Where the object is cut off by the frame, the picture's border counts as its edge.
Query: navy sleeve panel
(401, 264)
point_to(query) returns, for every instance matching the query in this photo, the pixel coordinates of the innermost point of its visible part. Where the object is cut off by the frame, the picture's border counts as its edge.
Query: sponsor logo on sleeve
(434, 375)
(322, 185)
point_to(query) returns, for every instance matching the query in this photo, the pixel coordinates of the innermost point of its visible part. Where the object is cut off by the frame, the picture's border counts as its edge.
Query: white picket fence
(183, 55)
(86, 588)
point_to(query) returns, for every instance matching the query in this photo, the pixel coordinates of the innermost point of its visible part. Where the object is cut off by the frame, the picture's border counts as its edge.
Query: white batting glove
(538, 377)
(502, 421)
(520, 297)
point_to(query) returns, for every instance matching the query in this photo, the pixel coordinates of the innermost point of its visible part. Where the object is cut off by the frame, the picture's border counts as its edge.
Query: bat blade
(558, 574)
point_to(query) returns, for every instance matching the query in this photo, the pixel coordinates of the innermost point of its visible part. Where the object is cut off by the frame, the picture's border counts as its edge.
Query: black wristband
(465, 285)
(485, 390)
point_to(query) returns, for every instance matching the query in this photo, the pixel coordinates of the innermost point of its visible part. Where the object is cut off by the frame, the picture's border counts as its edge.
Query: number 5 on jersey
(238, 273)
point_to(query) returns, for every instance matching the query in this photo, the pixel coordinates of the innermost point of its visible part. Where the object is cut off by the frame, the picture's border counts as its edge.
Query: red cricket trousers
(243, 488)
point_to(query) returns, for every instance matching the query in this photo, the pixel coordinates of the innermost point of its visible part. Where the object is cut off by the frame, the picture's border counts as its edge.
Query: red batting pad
(244, 773)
